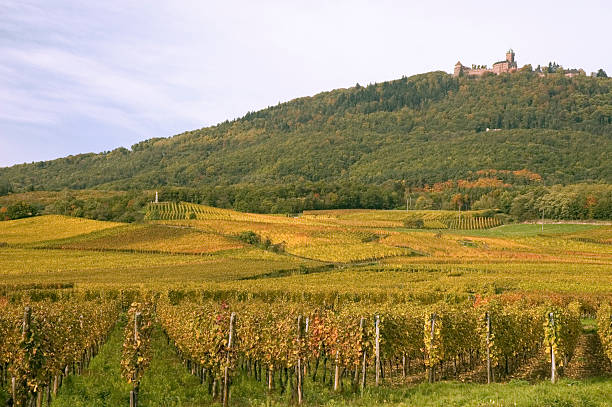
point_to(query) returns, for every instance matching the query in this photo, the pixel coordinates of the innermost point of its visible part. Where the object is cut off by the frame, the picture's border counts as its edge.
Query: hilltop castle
(507, 66)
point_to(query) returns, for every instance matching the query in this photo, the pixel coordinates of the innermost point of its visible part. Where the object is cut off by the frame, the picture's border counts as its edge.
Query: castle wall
(477, 72)
(507, 66)
(470, 72)
(501, 67)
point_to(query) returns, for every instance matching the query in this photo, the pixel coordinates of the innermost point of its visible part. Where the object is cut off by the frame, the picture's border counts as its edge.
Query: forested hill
(422, 129)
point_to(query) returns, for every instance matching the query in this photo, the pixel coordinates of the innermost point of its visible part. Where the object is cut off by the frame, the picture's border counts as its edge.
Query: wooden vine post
(306, 333)
(377, 349)
(134, 391)
(337, 371)
(299, 369)
(25, 335)
(553, 365)
(13, 388)
(489, 375)
(81, 363)
(432, 373)
(356, 376)
(227, 361)
(363, 368)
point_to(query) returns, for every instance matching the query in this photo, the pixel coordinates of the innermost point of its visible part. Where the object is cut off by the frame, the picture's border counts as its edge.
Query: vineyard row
(280, 343)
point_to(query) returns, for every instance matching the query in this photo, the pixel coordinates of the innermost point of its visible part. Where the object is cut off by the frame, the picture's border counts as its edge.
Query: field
(149, 238)
(51, 227)
(188, 268)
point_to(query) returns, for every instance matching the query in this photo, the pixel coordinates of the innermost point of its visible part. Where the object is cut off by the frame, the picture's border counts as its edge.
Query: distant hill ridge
(422, 129)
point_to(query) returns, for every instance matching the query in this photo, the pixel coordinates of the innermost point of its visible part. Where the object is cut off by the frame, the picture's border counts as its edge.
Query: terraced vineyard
(185, 210)
(472, 223)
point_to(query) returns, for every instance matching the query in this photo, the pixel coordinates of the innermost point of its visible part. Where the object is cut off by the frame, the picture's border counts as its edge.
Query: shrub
(414, 223)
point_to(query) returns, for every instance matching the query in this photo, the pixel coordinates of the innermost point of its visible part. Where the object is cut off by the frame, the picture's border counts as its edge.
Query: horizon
(89, 78)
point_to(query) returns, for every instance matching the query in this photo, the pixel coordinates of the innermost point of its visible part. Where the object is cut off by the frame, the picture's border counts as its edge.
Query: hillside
(423, 129)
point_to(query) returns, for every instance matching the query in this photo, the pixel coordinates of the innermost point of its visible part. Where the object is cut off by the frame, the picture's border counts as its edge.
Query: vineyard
(467, 220)
(288, 347)
(185, 210)
(362, 347)
(43, 342)
(331, 308)
(149, 238)
(470, 220)
(473, 223)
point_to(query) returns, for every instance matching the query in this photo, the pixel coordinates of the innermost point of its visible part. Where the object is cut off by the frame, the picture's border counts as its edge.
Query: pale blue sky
(88, 76)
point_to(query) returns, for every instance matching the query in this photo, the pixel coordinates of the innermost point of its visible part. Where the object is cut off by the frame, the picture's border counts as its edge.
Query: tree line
(516, 202)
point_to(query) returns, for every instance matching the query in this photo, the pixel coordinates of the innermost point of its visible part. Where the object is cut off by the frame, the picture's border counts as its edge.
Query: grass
(165, 383)
(101, 384)
(589, 325)
(565, 393)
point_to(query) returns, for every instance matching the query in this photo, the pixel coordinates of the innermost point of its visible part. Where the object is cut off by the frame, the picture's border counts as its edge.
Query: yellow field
(444, 247)
(18, 265)
(395, 218)
(346, 253)
(320, 242)
(443, 281)
(598, 235)
(152, 238)
(49, 227)
(58, 248)
(323, 240)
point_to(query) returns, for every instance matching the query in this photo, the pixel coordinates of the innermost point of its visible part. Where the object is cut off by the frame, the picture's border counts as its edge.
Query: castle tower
(510, 56)
(458, 69)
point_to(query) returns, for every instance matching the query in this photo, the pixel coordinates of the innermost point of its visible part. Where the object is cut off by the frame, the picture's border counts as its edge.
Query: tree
(20, 210)
(601, 74)
(458, 201)
(5, 187)
(423, 202)
(554, 67)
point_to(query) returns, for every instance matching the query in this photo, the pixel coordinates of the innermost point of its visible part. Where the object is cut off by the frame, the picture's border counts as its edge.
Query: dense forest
(372, 147)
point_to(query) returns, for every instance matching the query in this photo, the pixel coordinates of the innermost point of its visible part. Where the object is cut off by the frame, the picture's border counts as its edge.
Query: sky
(91, 76)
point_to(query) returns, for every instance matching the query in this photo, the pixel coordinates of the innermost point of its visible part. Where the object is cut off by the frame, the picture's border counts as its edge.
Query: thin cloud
(84, 75)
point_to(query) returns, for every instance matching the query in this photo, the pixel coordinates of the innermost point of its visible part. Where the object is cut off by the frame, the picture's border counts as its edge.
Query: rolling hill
(423, 129)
